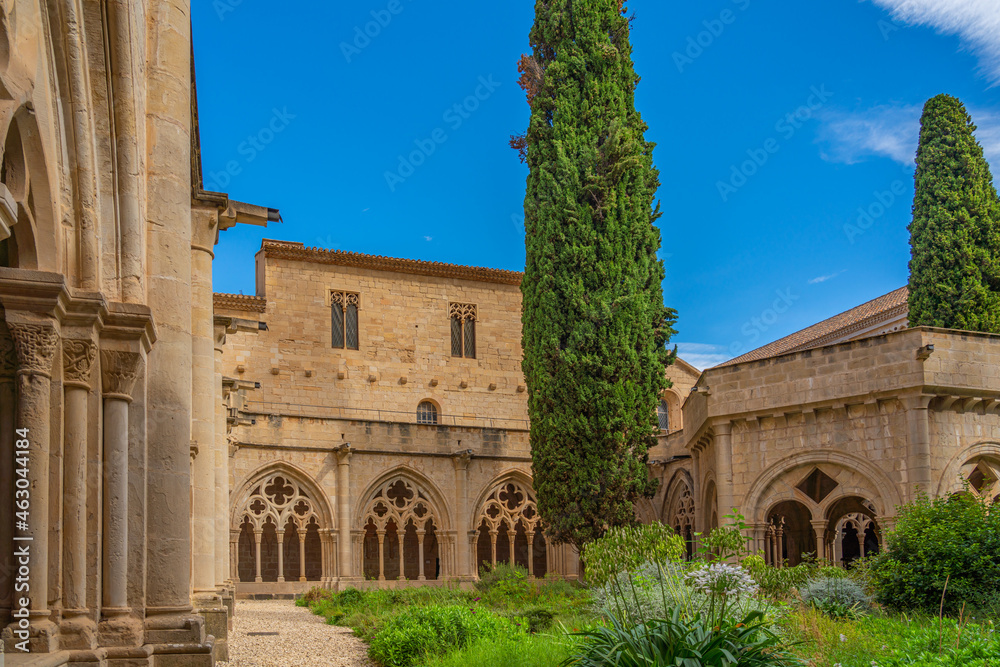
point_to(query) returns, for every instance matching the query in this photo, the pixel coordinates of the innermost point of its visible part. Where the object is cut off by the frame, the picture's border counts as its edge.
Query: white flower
(722, 579)
(843, 638)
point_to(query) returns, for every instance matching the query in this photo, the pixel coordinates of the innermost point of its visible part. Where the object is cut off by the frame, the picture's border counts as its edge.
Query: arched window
(427, 413)
(663, 415)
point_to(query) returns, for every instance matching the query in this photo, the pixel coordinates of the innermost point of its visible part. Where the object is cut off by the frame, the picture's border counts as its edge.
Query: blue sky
(785, 131)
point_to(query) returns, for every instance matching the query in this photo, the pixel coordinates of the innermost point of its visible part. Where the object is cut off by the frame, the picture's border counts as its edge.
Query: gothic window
(510, 531)
(463, 330)
(344, 316)
(427, 413)
(663, 415)
(282, 518)
(399, 539)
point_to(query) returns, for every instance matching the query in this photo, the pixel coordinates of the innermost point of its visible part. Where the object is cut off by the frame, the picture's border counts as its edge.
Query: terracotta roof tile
(830, 330)
(245, 302)
(298, 251)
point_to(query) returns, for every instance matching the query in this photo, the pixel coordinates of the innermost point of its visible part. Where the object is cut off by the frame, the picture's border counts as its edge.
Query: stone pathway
(303, 639)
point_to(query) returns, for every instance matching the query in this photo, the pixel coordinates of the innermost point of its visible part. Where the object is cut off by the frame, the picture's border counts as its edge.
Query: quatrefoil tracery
(279, 499)
(508, 504)
(401, 502)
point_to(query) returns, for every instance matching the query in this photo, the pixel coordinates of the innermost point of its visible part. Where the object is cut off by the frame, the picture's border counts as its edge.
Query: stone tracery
(400, 532)
(509, 529)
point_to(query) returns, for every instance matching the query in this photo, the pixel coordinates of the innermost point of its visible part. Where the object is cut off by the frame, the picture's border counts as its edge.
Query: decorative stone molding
(8, 355)
(35, 345)
(119, 371)
(463, 311)
(78, 361)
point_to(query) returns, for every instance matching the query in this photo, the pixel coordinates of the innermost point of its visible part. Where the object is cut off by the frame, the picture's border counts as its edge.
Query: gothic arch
(400, 525)
(679, 509)
(507, 526)
(35, 242)
(320, 506)
(950, 482)
(878, 487)
(281, 523)
(428, 489)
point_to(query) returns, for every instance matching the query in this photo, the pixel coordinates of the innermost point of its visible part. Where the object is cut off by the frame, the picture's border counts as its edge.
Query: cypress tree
(955, 233)
(594, 325)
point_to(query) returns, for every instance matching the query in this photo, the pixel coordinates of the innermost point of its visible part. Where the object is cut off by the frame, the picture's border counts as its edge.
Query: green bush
(953, 540)
(504, 584)
(630, 548)
(418, 631)
(836, 596)
(676, 641)
(534, 651)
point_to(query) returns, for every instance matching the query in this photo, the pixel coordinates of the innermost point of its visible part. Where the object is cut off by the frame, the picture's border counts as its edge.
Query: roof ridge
(292, 250)
(801, 339)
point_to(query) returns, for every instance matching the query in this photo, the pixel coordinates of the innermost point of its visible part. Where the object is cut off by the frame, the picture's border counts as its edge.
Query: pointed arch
(507, 525)
(252, 488)
(436, 500)
(985, 451)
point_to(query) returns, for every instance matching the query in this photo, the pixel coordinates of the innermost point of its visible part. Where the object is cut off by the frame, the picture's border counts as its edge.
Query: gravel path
(303, 639)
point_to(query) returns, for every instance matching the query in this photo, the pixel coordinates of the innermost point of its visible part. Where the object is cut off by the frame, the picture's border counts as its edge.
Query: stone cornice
(298, 252)
(242, 302)
(129, 322)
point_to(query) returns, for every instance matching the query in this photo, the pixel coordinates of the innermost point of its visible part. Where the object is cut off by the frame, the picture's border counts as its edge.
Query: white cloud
(823, 279)
(975, 22)
(428, 238)
(703, 355)
(893, 131)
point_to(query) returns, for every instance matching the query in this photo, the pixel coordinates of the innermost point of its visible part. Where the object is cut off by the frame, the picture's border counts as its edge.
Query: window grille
(463, 330)
(663, 416)
(344, 320)
(427, 413)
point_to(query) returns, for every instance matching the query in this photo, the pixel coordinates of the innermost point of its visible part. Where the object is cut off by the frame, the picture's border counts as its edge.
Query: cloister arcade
(400, 533)
(509, 530)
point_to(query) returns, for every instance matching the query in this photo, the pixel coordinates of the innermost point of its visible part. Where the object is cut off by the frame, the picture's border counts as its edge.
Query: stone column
(281, 556)
(699, 501)
(420, 553)
(461, 461)
(8, 366)
(167, 230)
(819, 527)
(224, 581)
(724, 468)
(401, 535)
(79, 631)
(256, 537)
(918, 445)
(344, 513)
(119, 371)
(381, 554)
(302, 554)
(530, 537)
(35, 344)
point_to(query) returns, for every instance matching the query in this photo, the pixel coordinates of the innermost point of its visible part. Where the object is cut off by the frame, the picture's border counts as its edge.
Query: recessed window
(463, 330)
(427, 413)
(344, 319)
(663, 416)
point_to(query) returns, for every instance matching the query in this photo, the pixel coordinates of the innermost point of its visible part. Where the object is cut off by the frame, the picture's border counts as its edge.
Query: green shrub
(836, 596)
(534, 651)
(504, 584)
(778, 583)
(418, 631)
(676, 641)
(628, 549)
(954, 540)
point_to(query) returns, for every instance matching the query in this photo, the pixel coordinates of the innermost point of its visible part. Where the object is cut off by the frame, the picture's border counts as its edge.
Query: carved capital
(119, 371)
(78, 360)
(8, 356)
(35, 345)
(343, 454)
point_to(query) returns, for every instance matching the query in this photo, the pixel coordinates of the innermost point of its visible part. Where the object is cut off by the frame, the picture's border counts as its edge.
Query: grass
(881, 640)
(542, 650)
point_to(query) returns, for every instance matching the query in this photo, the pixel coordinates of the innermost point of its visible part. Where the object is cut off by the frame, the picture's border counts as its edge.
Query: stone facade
(440, 431)
(108, 389)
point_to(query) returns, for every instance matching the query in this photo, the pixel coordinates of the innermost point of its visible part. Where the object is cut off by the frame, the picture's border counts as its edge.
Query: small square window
(463, 330)
(344, 320)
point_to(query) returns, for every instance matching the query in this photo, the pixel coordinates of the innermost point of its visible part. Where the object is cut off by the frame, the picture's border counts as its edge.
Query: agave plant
(680, 642)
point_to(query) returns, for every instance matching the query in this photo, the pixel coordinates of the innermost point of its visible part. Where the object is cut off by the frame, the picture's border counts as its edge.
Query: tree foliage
(594, 325)
(955, 233)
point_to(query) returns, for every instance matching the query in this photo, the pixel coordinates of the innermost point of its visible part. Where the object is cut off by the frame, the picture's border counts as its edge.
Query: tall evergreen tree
(955, 233)
(594, 325)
